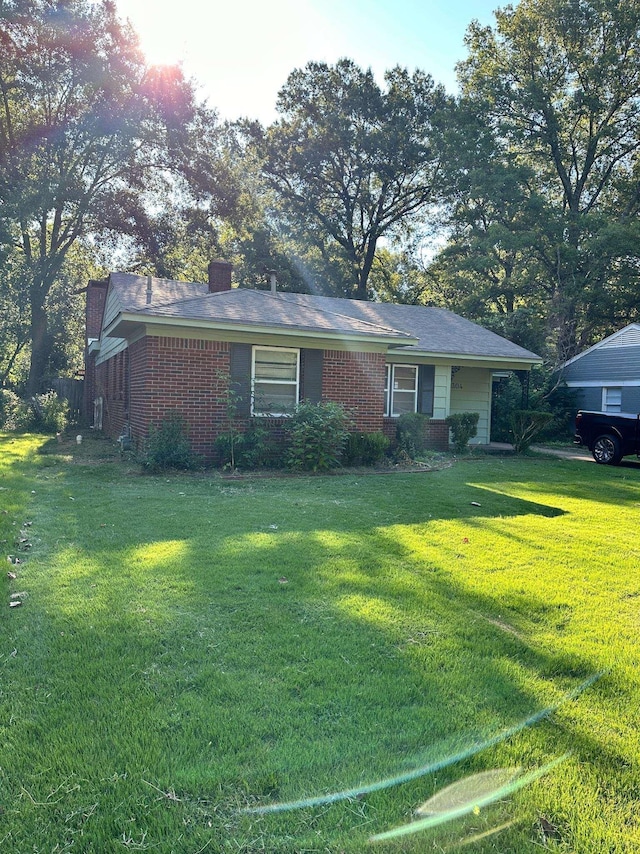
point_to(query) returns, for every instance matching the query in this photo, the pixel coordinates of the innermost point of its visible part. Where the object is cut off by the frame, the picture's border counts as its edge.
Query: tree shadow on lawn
(289, 698)
(227, 649)
(569, 478)
(235, 667)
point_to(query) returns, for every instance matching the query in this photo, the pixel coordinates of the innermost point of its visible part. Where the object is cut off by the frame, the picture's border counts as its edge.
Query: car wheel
(606, 450)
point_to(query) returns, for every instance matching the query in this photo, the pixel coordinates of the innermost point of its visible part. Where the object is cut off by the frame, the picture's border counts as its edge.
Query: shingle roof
(261, 308)
(409, 327)
(437, 330)
(132, 290)
(628, 336)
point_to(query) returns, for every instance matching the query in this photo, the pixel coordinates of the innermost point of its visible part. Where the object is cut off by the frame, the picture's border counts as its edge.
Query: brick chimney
(96, 296)
(219, 276)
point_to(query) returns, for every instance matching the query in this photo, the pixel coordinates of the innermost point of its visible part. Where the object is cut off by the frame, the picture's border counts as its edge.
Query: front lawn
(190, 649)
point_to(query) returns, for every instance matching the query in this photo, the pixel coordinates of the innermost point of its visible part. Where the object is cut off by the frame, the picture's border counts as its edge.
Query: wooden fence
(71, 391)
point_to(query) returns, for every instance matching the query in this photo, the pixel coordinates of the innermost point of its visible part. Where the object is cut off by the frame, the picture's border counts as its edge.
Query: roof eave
(509, 362)
(124, 324)
(597, 346)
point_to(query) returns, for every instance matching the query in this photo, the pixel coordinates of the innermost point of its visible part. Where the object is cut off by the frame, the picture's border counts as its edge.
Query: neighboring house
(607, 375)
(156, 346)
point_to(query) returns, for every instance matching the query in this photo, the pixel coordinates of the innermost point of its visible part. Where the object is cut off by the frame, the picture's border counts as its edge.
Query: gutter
(434, 355)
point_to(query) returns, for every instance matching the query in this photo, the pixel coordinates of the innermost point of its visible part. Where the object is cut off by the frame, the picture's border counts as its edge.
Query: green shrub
(526, 424)
(411, 434)
(168, 446)
(507, 396)
(546, 394)
(254, 449)
(260, 448)
(463, 426)
(9, 405)
(364, 449)
(226, 448)
(562, 403)
(24, 418)
(317, 435)
(45, 413)
(52, 412)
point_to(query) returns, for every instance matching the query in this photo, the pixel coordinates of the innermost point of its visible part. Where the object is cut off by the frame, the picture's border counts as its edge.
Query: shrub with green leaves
(317, 435)
(254, 449)
(43, 413)
(546, 393)
(463, 426)
(364, 449)
(411, 434)
(168, 446)
(260, 448)
(9, 405)
(526, 424)
(52, 412)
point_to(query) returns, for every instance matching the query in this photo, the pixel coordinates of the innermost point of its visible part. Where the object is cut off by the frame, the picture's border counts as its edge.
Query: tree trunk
(39, 348)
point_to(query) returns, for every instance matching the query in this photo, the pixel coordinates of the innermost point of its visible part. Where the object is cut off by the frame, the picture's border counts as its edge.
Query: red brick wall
(96, 296)
(356, 380)
(94, 308)
(111, 384)
(162, 374)
(183, 374)
(437, 433)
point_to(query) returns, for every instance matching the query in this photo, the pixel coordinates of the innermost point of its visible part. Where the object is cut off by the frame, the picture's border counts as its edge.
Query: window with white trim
(401, 389)
(612, 399)
(275, 380)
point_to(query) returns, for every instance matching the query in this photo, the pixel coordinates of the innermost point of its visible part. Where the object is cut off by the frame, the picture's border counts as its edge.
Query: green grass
(189, 647)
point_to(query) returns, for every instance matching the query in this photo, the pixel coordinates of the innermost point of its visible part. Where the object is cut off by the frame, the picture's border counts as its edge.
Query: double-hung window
(275, 378)
(612, 399)
(401, 389)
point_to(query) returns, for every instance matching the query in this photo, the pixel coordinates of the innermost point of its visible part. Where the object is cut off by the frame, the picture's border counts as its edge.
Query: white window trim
(389, 380)
(273, 382)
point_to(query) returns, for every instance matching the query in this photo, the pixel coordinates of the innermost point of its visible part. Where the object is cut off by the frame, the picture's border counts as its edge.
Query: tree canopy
(556, 86)
(82, 124)
(533, 170)
(351, 162)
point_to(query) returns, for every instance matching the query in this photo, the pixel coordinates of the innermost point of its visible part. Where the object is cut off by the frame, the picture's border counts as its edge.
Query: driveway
(577, 453)
(582, 454)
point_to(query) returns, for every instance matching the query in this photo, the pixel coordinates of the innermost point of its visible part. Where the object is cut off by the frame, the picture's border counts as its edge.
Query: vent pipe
(149, 289)
(272, 281)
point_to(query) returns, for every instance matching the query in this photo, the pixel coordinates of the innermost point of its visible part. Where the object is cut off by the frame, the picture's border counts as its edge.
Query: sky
(241, 53)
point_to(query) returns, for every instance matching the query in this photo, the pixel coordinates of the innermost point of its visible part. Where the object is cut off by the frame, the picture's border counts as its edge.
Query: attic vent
(629, 337)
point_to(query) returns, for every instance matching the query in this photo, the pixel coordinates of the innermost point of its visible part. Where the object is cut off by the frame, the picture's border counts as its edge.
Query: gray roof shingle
(433, 330)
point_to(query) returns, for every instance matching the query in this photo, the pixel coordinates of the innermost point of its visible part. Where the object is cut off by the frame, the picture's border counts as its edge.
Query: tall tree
(558, 82)
(14, 314)
(351, 162)
(82, 123)
(488, 270)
